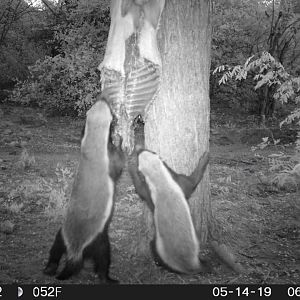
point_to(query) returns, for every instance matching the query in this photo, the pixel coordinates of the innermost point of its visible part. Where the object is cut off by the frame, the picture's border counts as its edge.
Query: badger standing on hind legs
(84, 233)
(175, 246)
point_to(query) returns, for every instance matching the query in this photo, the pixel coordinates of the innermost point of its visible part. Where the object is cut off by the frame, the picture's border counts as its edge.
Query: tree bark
(177, 123)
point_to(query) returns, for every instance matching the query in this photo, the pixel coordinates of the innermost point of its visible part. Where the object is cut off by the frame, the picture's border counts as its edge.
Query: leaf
(219, 69)
(248, 60)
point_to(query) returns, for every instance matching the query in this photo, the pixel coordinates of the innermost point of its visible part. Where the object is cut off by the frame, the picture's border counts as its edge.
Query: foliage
(61, 83)
(246, 28)
(265, 70)
(286, 89)
(283, 170)
(287, 179)
(69, 82)
(19, 22)
(78, 28)
(240, 30)
(265, 143)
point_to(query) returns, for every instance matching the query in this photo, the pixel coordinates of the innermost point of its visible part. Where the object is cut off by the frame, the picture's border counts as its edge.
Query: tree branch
(49, 7)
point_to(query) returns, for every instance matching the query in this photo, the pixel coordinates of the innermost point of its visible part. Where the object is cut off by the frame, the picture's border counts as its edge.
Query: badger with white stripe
(176, 244)
(84, 233)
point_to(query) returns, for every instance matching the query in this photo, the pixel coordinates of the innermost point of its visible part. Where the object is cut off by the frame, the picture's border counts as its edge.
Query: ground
(38, 158)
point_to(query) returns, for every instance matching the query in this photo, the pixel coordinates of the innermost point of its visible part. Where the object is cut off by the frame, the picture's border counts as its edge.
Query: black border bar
(184, 292)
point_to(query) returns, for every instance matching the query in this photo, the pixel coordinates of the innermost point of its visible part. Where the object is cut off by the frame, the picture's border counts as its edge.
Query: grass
(26, 160)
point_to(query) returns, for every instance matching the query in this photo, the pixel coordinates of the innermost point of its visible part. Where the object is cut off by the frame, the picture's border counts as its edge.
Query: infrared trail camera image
(150, 142)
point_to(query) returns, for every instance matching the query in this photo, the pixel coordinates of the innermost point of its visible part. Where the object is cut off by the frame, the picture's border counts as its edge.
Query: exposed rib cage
(141, 87)
(131, 95)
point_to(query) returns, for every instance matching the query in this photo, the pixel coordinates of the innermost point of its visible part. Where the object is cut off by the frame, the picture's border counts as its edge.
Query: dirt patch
(253, 136)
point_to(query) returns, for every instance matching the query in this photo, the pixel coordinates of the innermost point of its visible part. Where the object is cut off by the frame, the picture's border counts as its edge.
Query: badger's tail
(71, 268)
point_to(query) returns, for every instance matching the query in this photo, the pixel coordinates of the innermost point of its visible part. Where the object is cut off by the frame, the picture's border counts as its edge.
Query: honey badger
(175, 245)
(84, 233)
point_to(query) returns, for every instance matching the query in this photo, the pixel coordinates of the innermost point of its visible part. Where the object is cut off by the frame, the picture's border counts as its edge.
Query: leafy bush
(246, 28)
(61, 84)
(20, 23)
(265, 71)
(68, 82)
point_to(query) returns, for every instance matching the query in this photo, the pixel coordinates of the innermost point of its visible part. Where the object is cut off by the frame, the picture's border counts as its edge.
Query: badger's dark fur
(176, 244)
(84, 233)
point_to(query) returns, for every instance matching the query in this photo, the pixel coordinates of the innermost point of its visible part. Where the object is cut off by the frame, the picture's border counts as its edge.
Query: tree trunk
(177, 123)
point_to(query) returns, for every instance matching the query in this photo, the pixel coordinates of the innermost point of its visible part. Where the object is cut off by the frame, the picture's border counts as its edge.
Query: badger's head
(99, 115)
(97, 127)
(150, 164)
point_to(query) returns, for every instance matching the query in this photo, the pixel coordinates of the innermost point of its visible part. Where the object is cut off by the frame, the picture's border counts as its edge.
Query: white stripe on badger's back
(92, 195)
(176, 240)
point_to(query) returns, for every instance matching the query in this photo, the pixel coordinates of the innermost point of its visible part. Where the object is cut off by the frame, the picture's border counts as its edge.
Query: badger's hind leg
(99, 252)
(57, 250)
(72, 267)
